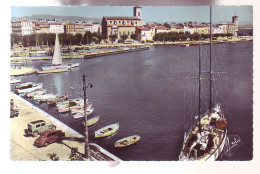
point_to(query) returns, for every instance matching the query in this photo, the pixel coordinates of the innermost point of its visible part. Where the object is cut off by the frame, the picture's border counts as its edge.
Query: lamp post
(86, 116)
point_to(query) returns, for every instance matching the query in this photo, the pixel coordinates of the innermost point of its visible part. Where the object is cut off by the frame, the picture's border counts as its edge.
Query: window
(38, 125)
(43, 124)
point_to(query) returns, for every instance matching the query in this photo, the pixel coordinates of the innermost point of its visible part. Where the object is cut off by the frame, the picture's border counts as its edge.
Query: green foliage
(124, 37)
(53, 156)
(49, 39)
(173, 36)
(74, 155)
(113, 37)
(134, 36)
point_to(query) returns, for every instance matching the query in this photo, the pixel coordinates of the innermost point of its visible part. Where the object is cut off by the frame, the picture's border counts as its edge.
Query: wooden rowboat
(81, 114)
(57, 99)
(91, 121)
(127, 141)
(107, 130)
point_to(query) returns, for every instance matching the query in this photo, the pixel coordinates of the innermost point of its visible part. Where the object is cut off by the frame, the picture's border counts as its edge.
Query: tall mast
(210, 66)
(199, 88)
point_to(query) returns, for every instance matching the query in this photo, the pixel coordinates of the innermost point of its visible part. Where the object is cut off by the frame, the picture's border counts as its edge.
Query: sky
(149, 13)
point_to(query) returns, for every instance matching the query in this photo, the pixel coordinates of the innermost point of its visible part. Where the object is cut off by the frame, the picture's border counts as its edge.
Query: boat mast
(199, 88)
(210, 66)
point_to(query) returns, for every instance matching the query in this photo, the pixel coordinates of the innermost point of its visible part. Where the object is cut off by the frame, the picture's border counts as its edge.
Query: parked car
(47, 137)
(38, 126)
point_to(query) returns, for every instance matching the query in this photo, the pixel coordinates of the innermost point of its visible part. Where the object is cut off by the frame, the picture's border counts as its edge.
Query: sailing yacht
(205, 140)
(56, 65)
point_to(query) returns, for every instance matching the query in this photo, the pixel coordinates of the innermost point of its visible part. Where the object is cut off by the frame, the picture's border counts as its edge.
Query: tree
(134, 36)
(113, 37)
(78, 39)
(124, 37)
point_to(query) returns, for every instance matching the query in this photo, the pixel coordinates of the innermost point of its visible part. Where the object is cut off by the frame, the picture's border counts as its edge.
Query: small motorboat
(81, 114)
(127, 141)
(24, 85)
(29, 88)
(80, 108)
(57, 99)
(107, 130)
(34, 93)
(42, 98)
(67, 105)
(91, 121)
(13, 81)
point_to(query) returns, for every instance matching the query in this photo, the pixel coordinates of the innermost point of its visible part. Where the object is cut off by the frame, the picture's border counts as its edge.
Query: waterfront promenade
(22, 148)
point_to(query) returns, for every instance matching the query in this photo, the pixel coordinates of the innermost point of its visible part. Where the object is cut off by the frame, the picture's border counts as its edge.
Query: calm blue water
(150, 93)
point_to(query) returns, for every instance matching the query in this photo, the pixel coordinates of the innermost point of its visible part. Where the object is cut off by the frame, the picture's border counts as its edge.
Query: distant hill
(57, 18)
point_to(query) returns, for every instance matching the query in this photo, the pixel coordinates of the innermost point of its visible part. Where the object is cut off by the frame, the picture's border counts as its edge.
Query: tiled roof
(55, 23)
(143, 28)
(121, 25)
(160, 28)
(121, 18)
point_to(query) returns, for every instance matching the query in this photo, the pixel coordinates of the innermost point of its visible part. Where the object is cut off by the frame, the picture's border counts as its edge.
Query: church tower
(235, 23)
(138, 11)
(235, 20)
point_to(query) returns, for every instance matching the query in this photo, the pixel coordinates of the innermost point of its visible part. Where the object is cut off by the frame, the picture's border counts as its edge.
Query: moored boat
(91, 121)
(57, 99)
(67, 105)
(24, 85)
(13, 81)
(29, 88)
(127, 141)
(80, 108)
(57, 70)
(107, 130)
(44, 97)
(81, 114)
(206, 138)
(34, 93)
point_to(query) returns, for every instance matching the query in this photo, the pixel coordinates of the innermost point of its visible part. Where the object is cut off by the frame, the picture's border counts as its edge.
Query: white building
(161, 29)
(144, 34)
(22, 27)
(188, 29)
(93, 28)
(56, 28)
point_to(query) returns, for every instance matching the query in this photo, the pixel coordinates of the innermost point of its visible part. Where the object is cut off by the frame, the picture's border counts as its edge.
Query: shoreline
(124, 48)
(29, 112)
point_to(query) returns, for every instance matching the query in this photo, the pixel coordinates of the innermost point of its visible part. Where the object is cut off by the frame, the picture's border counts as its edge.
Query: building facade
(121, 25)
(56, 27)
(93, 28)
(21, 28)
(74, 28)
(144, 34)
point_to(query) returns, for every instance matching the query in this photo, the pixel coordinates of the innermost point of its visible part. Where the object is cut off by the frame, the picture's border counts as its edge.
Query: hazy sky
(149, 13)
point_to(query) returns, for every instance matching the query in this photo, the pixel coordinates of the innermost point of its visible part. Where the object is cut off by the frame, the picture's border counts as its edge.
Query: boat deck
(216, 134)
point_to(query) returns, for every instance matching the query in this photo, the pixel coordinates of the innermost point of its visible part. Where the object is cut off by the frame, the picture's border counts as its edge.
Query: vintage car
(47, 137)
(37, 127)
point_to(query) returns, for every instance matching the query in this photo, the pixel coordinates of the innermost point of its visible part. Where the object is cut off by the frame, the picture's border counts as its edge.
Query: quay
(22, 148)
(22, 71)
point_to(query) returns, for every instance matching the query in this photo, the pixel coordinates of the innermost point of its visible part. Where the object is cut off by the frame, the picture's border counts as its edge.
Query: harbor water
(153, 93)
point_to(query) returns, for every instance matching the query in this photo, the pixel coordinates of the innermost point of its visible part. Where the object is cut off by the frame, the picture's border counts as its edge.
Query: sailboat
(205, 140)
(56, 65)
